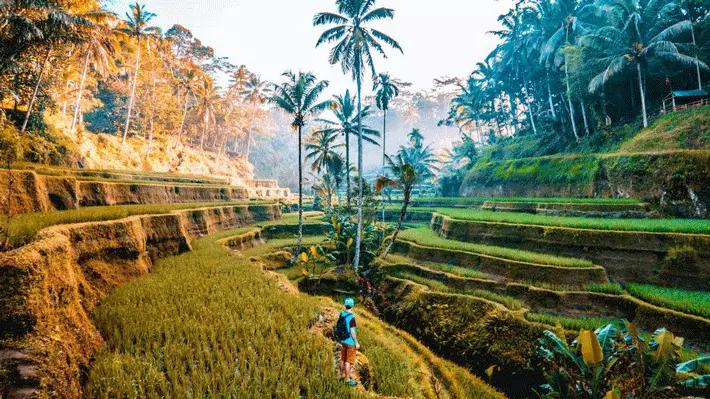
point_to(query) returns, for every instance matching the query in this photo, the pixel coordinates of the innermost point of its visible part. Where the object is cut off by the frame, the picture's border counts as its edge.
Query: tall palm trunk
(697, 58)
(152, 117)
(643, 95)
(402, 216)
(530, 112)
(358, 238)
(571, 106)
(204, 130)
(133, 90)
(384, 157)
(584, 117)
(36, 89)
(300, 197)
(347, 171)
(77, 105)
(549, 98)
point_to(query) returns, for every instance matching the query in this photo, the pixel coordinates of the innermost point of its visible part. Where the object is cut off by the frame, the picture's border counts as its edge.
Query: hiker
(346, 334)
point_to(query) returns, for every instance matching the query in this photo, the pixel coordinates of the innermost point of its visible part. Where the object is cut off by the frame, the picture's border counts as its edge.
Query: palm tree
(137, 26)
(639, 36)
(385, 90)
(322, 148)
(572, 15)
(207, 100)
(58, 25)
(256, 92)
(347, 124)
(355, 44)
(298, 96)
(404, 177)
(100, 46)
(186, 83)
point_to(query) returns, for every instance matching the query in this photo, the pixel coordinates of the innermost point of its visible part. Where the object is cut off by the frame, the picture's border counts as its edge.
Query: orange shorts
(348, 354)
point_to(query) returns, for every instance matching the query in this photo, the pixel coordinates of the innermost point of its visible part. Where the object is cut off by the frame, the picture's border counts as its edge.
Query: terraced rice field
(425, 236)
(211, 324)
(692, 226)
(692, 302)
(24, 227)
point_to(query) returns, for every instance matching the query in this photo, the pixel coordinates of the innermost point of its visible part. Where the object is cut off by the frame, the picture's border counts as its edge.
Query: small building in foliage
(679, 100)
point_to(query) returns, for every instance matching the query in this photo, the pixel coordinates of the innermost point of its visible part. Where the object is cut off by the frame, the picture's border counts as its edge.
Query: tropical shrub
(616, 362)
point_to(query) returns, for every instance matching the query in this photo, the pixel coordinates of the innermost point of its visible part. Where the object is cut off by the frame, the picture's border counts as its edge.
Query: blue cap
(349, 302)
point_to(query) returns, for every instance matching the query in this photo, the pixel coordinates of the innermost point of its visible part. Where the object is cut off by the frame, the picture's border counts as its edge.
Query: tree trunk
(643, 95)
(384, 157)
(549, 98)
(358, 238)
(36, 89)
(300, 198)
(347, 172)
(569, 100)
(402, 216)
(152, 117)
(133, 91)
(184, 116)
(77, 106)
(204, 130)
(584, 117)
(697, 58)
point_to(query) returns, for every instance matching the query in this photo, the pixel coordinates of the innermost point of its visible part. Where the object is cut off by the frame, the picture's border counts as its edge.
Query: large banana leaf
(692, 365)
(700, 381)
(607, 335)
(591, 349)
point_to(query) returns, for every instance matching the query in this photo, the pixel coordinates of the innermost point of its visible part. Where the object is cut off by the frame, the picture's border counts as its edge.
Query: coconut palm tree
(207, 101)
(256, 93)
(58, 25)
(404, 177)
(355, 44)
(100, 43)
(636, 36)
(347, 124)
(322, 147)
(186, 83)
(298, 96)
(137, 26)
(385, 90)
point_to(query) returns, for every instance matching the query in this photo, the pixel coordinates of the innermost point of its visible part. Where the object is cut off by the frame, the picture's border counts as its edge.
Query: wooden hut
(683, 99)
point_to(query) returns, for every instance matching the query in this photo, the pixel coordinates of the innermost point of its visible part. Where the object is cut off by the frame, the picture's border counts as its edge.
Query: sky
(441, 38)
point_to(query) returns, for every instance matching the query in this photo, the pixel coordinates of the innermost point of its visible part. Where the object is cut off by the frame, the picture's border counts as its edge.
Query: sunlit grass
(24, 227)
(527, 200)
(571, 323)
(692, 302)
(693, 226)
(427, 237)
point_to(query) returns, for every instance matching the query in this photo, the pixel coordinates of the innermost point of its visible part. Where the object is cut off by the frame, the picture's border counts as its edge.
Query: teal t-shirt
(350, 322)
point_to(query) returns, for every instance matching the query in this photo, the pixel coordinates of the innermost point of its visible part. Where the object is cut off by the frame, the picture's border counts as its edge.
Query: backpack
(341, 329)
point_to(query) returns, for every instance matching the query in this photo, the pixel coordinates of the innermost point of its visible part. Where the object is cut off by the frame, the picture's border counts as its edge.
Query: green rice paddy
(692, 302)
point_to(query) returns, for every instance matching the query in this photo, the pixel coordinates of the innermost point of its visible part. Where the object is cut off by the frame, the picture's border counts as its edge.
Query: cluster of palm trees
(354, 43)
(51, 50)
(558, 57)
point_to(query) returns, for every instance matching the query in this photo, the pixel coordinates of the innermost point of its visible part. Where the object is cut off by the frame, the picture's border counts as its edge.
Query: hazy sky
(445, 37)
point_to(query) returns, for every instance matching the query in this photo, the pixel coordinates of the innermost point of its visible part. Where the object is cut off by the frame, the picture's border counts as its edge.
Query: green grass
(24, 227)
(427, 237)
(571, 323)
(692, 226)
(692, 302)
(528, 200)
(207, 324)
(679, 130)
(507, 301)
(607, 288)
(455, 270)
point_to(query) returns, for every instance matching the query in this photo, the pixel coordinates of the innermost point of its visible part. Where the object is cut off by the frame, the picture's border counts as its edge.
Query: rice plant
(691, 226)
(571, 323)
(692, 302)
(427, 237)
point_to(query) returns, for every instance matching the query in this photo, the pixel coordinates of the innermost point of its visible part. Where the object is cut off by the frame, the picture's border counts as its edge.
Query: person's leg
(342, 369)
(348, 370)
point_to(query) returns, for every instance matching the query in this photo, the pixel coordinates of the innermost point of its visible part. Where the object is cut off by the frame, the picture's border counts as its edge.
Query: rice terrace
(355, 199)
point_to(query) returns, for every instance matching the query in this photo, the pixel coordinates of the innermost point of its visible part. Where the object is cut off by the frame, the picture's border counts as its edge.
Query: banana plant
(615, 362)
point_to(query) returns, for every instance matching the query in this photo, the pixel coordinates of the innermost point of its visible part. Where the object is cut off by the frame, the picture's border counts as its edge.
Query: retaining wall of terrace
(505, 268)
(33, 192)
(579, 304)
(640, 257)
(51, 286)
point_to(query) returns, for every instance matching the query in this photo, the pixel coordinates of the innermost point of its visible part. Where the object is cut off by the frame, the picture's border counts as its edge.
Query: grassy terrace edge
(424, 236)
(25, 227)
(683, 226)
